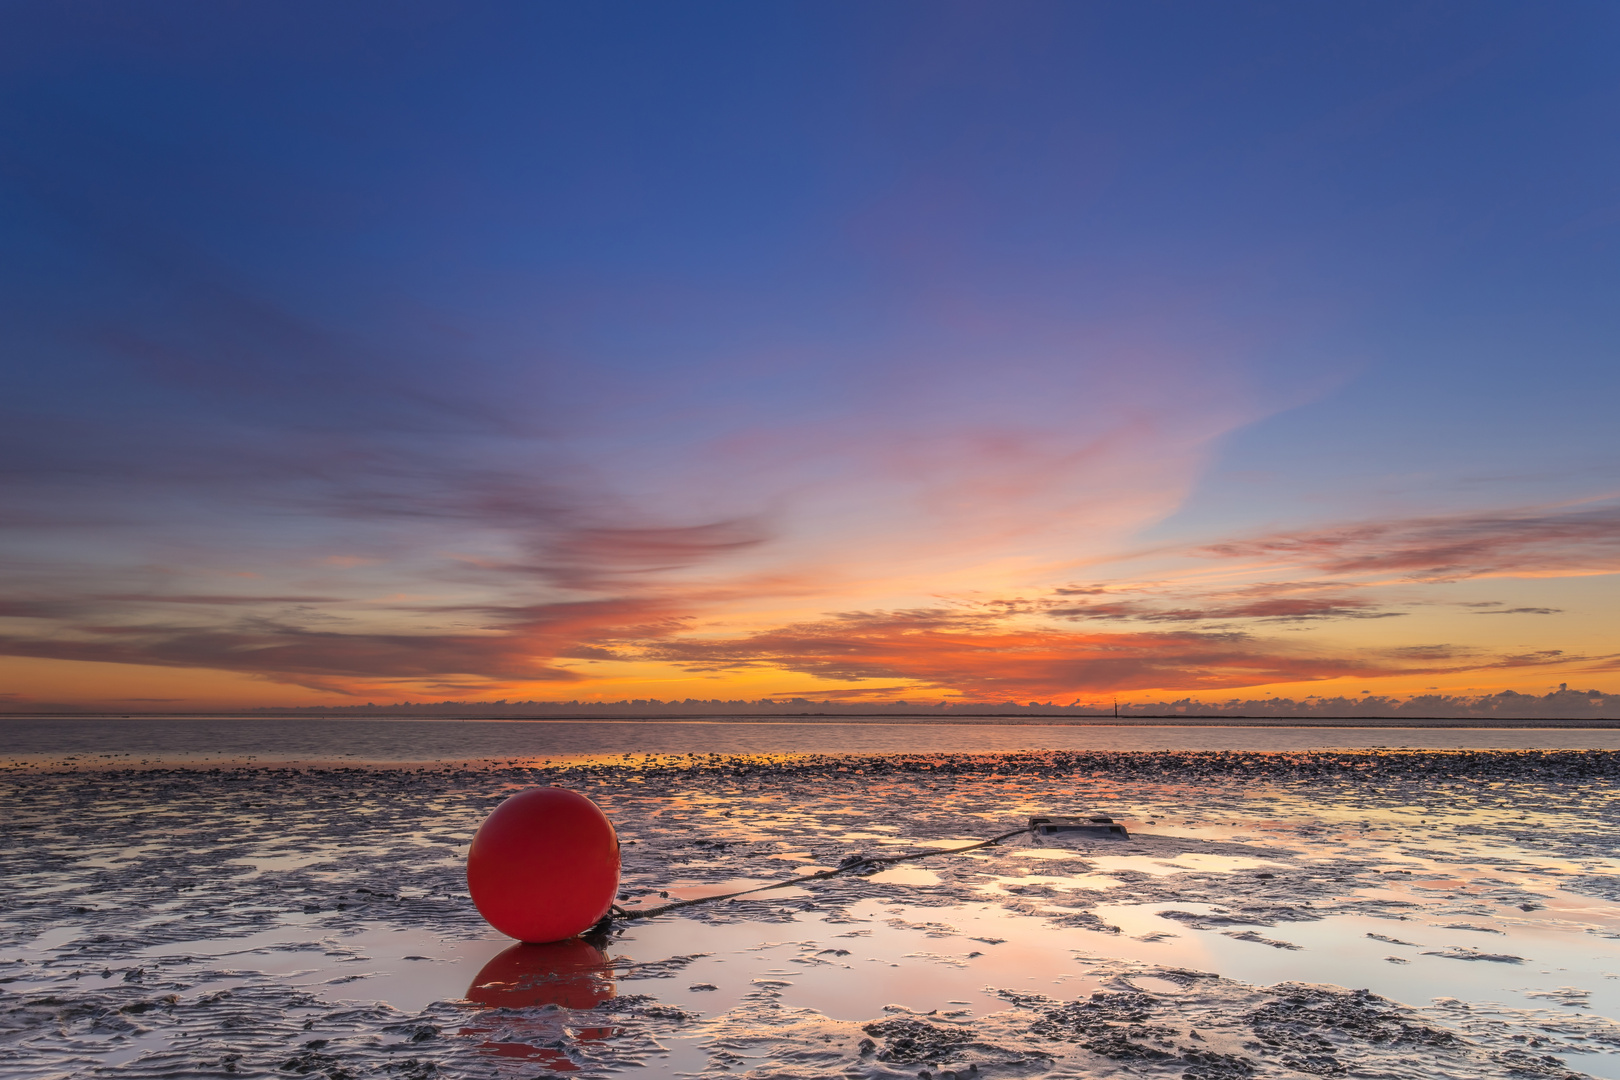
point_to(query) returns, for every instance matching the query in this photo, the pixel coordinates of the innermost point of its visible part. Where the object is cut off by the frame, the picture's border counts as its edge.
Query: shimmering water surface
(256, 739)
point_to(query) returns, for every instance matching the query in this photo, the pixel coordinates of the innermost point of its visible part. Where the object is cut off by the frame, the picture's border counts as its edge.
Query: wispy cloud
(1529, 543)
(1282, 609)
(220, 599)
(520, 645)
(980, 647)
(975, 656)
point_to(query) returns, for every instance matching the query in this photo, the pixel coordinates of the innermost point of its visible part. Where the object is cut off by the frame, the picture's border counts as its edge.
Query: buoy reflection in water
(531, 985)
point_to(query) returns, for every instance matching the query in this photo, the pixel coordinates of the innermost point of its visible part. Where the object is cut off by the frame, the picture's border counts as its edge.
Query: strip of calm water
(88, 741)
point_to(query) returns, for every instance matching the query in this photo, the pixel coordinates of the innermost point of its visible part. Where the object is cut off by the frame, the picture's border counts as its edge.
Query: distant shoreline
(877, 719)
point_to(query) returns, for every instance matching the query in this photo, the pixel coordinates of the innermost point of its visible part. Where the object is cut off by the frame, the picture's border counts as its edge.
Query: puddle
(905, 875)
(53, 938)
(407, 969)
(1181, 864)
(261, 864)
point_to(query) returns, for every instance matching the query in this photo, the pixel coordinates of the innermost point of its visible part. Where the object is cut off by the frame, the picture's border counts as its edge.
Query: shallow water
(97, 742)
(263, 922)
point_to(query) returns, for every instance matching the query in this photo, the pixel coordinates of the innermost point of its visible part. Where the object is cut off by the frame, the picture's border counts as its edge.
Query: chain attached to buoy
(849, 865)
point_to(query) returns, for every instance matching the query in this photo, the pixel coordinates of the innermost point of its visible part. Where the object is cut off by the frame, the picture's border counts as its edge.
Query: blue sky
(627, 350)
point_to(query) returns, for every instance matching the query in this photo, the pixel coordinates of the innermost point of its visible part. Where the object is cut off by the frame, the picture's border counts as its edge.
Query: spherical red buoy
(544, 866)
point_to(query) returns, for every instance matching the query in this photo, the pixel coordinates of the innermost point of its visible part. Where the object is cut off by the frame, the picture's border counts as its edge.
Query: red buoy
(544, 866)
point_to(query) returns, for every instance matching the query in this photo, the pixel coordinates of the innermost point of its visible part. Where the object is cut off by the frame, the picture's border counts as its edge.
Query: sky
(925, 351)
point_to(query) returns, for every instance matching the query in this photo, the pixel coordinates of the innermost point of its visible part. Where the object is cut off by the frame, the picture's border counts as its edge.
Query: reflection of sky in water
(1034, 955)
(948, 958)
(930, 958)
(136, 740)
(407, 969)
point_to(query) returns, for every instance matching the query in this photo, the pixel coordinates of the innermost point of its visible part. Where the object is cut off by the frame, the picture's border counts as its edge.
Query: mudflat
(1404, 914)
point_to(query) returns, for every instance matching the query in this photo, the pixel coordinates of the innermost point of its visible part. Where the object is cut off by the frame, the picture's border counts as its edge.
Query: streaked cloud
(973, 647)
(981, 659)
(518, 646)
(1287, 609)
(1538, 543)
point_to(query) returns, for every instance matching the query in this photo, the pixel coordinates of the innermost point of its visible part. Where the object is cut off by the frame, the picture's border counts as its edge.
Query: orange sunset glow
(938, 366)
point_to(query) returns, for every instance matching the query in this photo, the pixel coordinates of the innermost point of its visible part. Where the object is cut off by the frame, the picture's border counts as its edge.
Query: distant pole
(1116, 708)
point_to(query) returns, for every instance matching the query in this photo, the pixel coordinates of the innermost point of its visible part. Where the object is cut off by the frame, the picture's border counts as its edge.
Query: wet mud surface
(1402, 914)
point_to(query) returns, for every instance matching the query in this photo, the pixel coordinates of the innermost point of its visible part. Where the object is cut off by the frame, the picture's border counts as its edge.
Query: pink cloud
(520, 647)
(1447, 548)
(976, 657)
